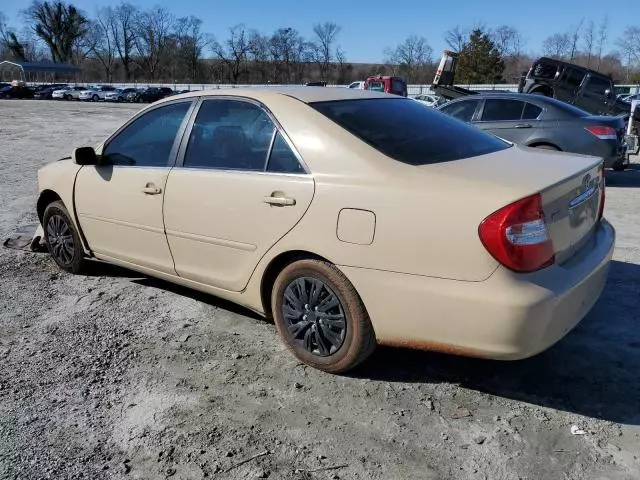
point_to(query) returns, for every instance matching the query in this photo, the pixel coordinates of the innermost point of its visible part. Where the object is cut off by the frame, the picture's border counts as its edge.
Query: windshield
(408, 132)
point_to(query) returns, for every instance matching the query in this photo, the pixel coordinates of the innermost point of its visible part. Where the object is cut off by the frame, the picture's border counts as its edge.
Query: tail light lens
(602, 132)
(602, 193)
(517, 236)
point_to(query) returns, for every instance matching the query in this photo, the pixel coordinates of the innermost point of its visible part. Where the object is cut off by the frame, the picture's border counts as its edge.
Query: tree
(411, 57)
(456, 38)
(100, 40)
(59, 25)
(574, 36)
(479, 60)
(602, 37)
(152, 40)
(509, 43)
(326, 34)
(557, 45)
(287, 48)
(191, 42)
(259, 54)
(123, 33)
(234, 53)
(589, 37)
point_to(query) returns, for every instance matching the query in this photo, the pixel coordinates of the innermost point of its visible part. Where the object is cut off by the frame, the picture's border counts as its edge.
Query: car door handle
(523, 125)
(151, 189)
(279, 201)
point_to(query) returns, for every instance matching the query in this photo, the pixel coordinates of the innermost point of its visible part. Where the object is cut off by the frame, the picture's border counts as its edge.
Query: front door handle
(279, 201)
(523, 125)
(151, 189)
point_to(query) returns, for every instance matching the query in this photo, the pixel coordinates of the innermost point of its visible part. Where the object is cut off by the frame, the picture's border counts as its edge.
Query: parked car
(45, 92)
(118, 95)
(586, 89)
(69, 93)
(134, 95)
(19, 91)
(430, 100)
(4, 84)
(316, 84)
(383, 83)
(357, 85)
(362, 219)
(95, 94)
(543, 122)
(151, 94)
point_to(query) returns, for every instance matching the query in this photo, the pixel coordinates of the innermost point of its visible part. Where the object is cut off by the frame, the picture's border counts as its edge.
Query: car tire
(95, 98)
(62, 239)
(620, 165)
(67, 97)
(329, 330)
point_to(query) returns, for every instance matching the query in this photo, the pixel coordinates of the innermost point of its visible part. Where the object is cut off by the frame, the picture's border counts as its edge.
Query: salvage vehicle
(351, 217)
(69, 93)
(150, 94)
(543, 122)
(96, 93)
(118, 95)
(16, 90)
(45, 92)
(387, 84)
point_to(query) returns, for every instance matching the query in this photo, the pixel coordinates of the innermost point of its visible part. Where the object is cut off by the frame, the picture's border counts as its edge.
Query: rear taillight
(602, 193)
(602, 132)
(517, 236)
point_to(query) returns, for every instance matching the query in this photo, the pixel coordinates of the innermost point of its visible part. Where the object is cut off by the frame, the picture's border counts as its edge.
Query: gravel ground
(112, 375)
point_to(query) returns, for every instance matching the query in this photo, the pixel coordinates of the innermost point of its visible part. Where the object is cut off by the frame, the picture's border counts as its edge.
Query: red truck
(387, 84)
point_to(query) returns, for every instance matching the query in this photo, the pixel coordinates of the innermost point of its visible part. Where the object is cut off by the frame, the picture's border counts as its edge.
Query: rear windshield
(408, 131)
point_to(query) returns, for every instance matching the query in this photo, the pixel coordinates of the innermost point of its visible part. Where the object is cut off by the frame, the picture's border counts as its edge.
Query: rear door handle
(523, 125)
(151, 189)
(279, 201)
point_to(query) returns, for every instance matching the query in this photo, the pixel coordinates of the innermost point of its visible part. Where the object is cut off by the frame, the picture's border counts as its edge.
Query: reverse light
(602, 132)
(517, 236)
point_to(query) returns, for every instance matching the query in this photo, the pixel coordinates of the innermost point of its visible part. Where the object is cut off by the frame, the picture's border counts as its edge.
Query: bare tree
(574, 36)
(589, 38)
(326, 34)
(629, 43)
(123, 33)
(287, 48)
(456, 38)
(153, 38)
(259, 54)
(557, 45)
(100, 40)
(411, 57)
(59, 25)
(191, 42)
(234, 52)
(508, 41)
(602, 37)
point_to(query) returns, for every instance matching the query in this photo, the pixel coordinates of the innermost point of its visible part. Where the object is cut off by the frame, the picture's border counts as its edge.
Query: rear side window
(496, 110)
(597, 85)
(462, 110)
(531, 112)
(408, 132)
(544, 70)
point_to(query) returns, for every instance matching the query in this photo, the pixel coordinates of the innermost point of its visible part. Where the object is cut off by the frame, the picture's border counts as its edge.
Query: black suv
(579, 86)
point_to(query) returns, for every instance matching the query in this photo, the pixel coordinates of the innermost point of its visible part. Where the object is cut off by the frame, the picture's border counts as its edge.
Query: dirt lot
(112, 375)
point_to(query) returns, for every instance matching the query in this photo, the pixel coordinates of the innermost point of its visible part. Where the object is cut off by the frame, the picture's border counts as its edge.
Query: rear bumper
(506, 317)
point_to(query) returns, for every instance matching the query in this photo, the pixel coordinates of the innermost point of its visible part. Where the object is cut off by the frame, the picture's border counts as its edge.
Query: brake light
(517, 236)
(602, 132)
(602, 192)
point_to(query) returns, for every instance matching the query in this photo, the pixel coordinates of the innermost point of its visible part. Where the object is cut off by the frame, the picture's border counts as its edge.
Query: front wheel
(95, 98)
(320, 316)
(620, 165)
(62, 238)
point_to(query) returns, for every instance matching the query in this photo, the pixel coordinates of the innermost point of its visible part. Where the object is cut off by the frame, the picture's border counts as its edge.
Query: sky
(370, 26)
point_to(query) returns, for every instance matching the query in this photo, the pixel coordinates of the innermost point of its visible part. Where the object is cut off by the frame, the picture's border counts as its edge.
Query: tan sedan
(352, 218)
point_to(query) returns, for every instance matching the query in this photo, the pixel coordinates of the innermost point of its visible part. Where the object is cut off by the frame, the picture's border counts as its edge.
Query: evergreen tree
(479, 61)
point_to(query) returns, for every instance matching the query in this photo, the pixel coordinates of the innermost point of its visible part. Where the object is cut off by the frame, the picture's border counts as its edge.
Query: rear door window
(544, 70)
(462, 110)
(408, 132)
(499, 109)
(597, 85)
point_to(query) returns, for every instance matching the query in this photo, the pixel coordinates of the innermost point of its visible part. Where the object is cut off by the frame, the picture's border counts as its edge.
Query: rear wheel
(620, 165)
(95, 98)
(320, 316)
(62, 239)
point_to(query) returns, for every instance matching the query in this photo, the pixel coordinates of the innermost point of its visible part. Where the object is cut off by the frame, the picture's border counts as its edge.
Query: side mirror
(85, 156)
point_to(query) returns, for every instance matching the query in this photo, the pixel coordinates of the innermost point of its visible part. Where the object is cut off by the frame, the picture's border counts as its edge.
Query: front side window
(230, 135)
(497, 109)
(597, 85)
(462, 110)
(148, 140)
(408, 132)
(573, 77)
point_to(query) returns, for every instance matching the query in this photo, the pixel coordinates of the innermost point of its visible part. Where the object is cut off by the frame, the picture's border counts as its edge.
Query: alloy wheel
(60, 239)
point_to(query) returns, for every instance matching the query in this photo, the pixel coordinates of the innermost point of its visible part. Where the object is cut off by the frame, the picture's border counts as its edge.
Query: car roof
(302, 93)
